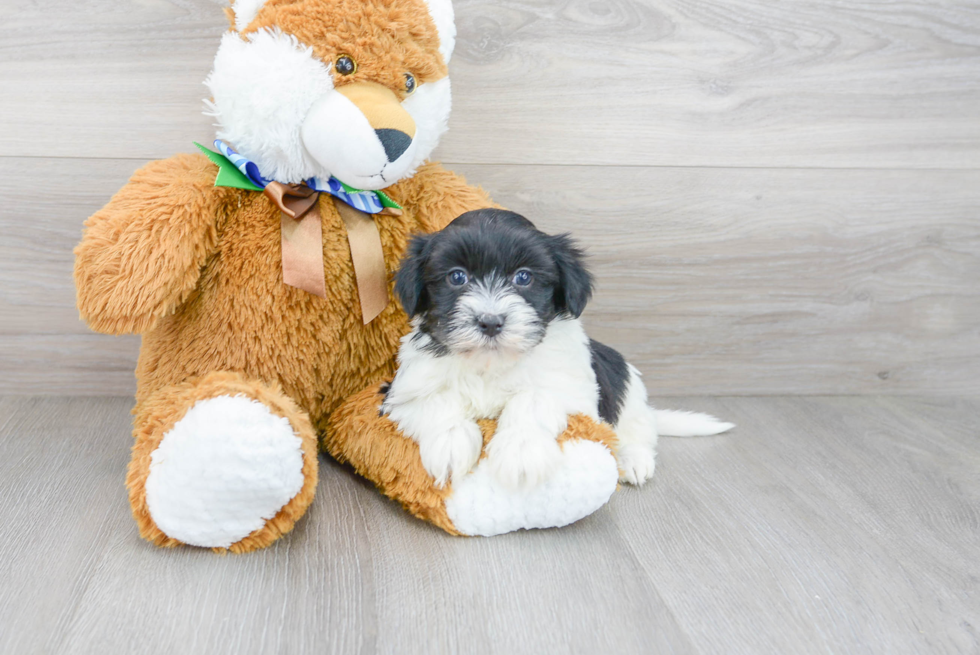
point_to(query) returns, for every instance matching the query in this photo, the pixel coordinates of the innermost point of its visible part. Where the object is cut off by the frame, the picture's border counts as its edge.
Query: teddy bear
(259, 274)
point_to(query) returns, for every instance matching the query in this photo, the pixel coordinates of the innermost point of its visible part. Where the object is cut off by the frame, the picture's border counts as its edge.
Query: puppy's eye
(409, 83)
(458, 277)
(522, 278)
(345, 65)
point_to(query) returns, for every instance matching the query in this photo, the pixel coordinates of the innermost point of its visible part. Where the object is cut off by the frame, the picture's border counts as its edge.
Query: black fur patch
(427, 344)
(383, 392)
(612, 373)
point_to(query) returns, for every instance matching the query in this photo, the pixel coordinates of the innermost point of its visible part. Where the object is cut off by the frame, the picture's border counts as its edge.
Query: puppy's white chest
(484, 396)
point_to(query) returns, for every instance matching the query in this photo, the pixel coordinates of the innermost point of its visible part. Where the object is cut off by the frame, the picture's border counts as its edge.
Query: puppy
(495, 308)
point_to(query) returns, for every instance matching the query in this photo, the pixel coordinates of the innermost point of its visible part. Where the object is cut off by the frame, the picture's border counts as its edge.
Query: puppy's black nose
(490, 324)
(395, 142)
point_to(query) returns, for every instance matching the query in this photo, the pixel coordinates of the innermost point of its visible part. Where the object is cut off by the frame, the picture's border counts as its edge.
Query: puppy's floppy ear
(410, 278)
(574, 280)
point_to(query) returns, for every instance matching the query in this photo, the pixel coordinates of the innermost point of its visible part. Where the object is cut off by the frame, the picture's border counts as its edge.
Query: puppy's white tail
(673, 423)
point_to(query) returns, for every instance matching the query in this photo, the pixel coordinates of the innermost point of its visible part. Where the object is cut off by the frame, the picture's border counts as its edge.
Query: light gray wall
(778, 197)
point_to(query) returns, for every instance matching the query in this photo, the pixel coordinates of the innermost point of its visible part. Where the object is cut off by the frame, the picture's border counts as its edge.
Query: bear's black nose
(490, 324)
(395, 142)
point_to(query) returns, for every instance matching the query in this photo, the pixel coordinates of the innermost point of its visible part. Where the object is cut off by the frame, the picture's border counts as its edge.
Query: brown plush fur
(376, 449)
(387, 38)
(197, 270)
(157, 416)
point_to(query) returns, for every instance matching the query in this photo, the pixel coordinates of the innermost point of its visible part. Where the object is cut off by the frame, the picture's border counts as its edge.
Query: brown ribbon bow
(302, 246)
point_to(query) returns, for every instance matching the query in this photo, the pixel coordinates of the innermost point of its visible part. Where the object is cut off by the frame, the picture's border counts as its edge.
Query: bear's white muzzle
(361, 134)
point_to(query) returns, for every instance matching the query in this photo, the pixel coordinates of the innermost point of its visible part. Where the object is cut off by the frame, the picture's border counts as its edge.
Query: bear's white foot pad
(222, 471)
(583, 483)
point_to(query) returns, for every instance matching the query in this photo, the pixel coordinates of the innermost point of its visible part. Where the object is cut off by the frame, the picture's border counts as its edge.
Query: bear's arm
(141, 255)
(439, 196)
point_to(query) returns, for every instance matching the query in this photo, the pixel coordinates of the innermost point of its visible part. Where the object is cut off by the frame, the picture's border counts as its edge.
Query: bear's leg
(222, 462)
(477, 504)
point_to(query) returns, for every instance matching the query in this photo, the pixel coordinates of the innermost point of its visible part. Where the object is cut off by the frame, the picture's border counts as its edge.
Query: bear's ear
(442, 15)
(410, 278)
(574, 280)
(244, 12)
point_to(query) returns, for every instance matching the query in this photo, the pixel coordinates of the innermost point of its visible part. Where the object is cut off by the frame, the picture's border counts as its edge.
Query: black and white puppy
(495, 308)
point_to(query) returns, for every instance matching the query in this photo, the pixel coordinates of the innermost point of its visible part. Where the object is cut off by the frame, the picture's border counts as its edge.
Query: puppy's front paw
(636, 463)
(522, 462)
(453, 452)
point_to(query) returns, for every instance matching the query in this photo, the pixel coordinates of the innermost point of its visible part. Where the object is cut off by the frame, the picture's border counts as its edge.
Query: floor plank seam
(706, 167)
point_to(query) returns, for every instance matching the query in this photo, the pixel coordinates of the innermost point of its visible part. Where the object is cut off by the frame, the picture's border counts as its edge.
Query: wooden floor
(820, 525)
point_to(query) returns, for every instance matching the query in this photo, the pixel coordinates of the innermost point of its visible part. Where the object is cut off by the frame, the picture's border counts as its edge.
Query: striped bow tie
(244, 174)
(302, 236)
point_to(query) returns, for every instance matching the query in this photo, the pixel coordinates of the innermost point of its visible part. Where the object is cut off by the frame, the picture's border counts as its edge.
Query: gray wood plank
(819, 525)
(68, 364)
(851, 523)
(41, 224)
(62, 499)
(559, 591)
(639, 82)
(721, 281)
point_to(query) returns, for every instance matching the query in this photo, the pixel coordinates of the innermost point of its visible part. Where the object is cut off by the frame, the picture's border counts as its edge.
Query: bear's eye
(409, 83)
(345, 65)
(522, 278)
(458, 277)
